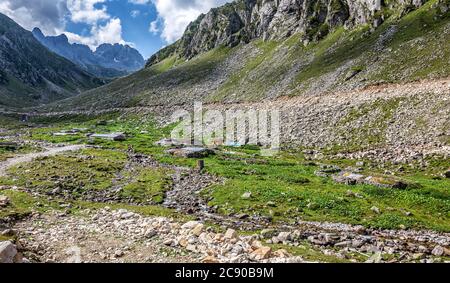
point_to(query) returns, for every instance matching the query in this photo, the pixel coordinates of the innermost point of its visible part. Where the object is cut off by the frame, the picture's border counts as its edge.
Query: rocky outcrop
(244, 20)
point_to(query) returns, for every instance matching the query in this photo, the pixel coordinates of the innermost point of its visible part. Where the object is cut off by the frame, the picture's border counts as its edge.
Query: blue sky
(147, 25)
(135, 21)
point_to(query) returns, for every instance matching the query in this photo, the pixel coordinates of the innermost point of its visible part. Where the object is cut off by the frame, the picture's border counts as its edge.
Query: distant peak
(37, 31)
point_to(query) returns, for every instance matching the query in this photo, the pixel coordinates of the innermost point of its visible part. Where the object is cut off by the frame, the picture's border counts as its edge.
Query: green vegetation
(283, 188)
(150, 185)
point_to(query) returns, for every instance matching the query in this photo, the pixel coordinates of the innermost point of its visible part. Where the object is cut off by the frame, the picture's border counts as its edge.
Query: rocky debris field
(123, 236)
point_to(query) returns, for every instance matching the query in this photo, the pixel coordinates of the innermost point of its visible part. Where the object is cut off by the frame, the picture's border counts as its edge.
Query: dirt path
(30, 156)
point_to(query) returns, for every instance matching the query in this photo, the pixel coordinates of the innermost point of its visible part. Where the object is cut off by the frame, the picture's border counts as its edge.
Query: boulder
(197, 230)
(111, 137)
(4, 201)
(231, 234)
(438, 251)
(8, 252)
(375, 209)
(284, 236)
(262, 253)
(246, 195)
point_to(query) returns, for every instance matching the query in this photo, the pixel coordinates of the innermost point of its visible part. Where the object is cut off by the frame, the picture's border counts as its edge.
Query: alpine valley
(361, 173)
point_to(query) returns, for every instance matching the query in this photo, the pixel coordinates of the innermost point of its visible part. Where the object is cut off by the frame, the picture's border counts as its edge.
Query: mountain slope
(30, 74)
(107, 61)
(397, 43)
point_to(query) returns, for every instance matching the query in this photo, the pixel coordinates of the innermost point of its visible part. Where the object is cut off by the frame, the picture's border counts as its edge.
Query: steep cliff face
(244, 20)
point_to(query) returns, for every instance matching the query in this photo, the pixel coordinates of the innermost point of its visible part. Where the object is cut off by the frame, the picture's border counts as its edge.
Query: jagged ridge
(244, 20)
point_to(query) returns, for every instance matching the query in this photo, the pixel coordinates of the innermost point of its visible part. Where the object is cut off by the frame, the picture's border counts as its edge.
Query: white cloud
(175, 15)
(84, 11)
(135, 13)
(49, 15)
(111, 32)
(139, 2)
(154, 27)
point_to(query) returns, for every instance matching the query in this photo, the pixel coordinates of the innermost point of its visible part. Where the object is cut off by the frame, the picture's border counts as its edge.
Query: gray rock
(150, 233)
(284, 236)
(376, 209)
(438, 251)
(112, 137)
(4, 201)
(246, 195)
(8, 252)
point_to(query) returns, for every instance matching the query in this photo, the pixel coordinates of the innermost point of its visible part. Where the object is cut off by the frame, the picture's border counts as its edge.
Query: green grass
(22, 204)
(308, 253)
(283, 187)
(75, 172)
(150, 185)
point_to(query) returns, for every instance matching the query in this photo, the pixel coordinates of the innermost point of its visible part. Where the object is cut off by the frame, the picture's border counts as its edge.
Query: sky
(147, 25)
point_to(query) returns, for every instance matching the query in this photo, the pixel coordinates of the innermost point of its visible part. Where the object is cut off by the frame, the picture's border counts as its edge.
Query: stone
(4, 201)
(183, 242)
(438, 251)
(8, 252)
(246, 195)
(210, 259)
(197, 230)
(190, 225)
(284, 236)
(231, 234)
(282, 253)
(375, 209)
(262, 253)
(112, 136)
(150, 233)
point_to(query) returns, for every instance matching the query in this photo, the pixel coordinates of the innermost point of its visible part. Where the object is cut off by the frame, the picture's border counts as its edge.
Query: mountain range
(108, 60)
(251, 50)
(30, 74)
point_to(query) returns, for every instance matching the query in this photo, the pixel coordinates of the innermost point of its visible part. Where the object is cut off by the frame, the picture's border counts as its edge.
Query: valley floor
(71, 198)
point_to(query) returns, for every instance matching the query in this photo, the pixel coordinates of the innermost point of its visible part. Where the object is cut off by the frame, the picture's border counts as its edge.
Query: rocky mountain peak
(244, 20)
(108, 60)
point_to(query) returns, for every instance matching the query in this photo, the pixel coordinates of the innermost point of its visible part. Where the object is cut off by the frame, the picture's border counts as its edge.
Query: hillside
(106, 61)
(239, 53)
(30, 74)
